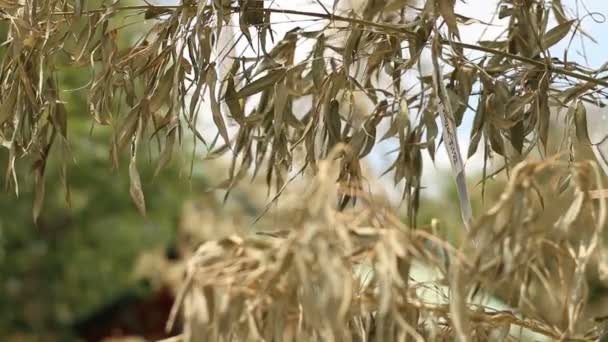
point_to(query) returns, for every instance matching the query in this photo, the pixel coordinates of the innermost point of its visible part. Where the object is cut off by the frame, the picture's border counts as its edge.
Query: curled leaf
(135, 188)
(580, 121)
(216, 112)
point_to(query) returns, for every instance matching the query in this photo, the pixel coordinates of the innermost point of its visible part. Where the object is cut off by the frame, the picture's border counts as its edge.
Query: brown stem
(383, 26)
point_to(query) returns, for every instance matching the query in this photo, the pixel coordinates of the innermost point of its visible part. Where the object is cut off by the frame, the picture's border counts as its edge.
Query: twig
(383, 26)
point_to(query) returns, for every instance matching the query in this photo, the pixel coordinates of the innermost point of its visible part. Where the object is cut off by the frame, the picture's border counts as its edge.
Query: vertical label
(451, 141)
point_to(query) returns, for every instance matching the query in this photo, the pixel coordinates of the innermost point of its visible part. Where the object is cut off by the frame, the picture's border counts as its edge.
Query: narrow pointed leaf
(261, 83)
(580, 121)
(280, 102)
(135, 188)
(216, 111)
(556, 34)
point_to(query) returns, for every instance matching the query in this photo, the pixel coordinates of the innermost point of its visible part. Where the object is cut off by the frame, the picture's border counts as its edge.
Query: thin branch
(534, 62)
(383, 26)
(331, 17)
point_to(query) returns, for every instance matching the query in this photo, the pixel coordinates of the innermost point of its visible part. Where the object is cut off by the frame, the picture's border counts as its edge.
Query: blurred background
(90, 270)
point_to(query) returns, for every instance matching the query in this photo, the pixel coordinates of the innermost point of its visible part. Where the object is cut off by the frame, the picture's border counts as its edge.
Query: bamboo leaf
(280, 102)
(234, 105)
(333, 123)
(261, 83)
(39, 190)
(350, 48)
(7, 106)
(556, 34)
(167, 151)
(161, 94)
(135, 188)
(318, 62)
(216, 112)
(558, 11)
(543, 115)
(580, 121)
(446, 9)
(477, 129)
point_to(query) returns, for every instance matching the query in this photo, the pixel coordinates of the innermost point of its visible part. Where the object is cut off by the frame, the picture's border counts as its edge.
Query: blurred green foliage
(76, 259)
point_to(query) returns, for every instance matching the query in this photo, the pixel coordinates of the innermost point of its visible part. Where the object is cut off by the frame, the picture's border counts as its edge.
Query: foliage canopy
(513, 85)
(301, 93)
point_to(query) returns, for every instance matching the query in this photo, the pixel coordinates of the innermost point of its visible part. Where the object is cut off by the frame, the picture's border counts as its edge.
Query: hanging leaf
(446, 9)
(558, 11)
(351, 47)
(234, 105)
(496, 140)
(318, 62)
(556, 34)
(333, 123)
(216, 111)
(135, 189)
(167, 151)
(161, 94)
(262, 83)
(580, 121)
(60, 120)
(39, 188)
(544, 117)
(280, 102)
(8, 105)
(477, 129)
(517, 136)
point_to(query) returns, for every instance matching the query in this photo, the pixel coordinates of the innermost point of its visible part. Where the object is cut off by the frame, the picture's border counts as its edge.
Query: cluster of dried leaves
(301, 286)
(346, 275)
(153, 89)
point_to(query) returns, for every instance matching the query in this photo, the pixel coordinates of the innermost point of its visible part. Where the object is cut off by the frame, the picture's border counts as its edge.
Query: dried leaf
(580, 120)
(333, 123)
(446, 9)
(543, 115)
(167, 151)
(517, 136)
(9, 4)
(318, 62)
(496, 140)
(556, 34)
(261, 83)
(251, 13)
(218, 118)
(558, 11)
(477, 129)
(135, 188)
(161, 94)
(60, 120)
(8, 105)
(351, 47)
(234, 105)
(39, 190)
(280, 102)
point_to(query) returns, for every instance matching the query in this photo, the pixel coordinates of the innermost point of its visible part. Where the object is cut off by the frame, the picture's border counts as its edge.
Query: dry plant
(301, 283)
(345, 275)
(153, 89)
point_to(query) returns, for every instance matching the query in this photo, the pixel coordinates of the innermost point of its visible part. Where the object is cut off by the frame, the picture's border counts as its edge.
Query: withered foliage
(348, 275)
(300, 285)
(154, 88)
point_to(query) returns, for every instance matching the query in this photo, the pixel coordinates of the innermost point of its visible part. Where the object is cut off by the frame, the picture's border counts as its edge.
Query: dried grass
(332, 275)
(300, 283)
